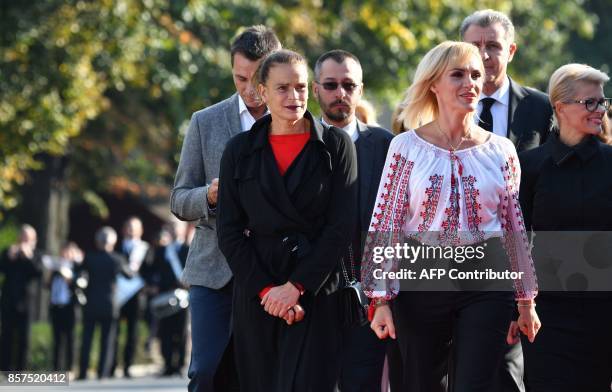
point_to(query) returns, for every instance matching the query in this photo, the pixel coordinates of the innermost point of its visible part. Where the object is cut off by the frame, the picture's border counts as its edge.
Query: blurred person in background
(138, 254)
(606, 128)
(567, 186)
(62, 303)
(338, 88)
(168, 264)
(22, 267)
(101, 267)
(365, 112)
(287, 201)
(397, 120)
(194, 198)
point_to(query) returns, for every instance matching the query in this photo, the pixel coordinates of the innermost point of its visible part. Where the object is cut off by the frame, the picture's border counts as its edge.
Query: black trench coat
(273, 229)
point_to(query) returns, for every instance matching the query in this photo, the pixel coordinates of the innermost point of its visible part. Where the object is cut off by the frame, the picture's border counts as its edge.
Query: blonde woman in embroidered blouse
(454, 184)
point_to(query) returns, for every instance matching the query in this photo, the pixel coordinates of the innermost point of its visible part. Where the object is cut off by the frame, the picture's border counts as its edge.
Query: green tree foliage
(113, 82)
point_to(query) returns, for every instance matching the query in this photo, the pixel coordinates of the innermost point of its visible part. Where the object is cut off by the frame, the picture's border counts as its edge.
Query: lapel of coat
(365, 165)
(232, 116)
(315, 154)
(516, 95)
(259, 159)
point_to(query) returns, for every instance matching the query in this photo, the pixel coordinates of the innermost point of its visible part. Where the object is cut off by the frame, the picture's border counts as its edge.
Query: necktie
(486, 118)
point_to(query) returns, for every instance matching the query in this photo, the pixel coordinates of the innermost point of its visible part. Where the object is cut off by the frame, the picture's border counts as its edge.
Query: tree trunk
(46, 202)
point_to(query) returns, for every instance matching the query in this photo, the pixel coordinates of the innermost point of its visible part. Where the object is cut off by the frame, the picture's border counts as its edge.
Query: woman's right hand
(382, 322)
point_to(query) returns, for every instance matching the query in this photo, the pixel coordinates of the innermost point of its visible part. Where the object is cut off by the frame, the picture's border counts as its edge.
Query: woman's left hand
(529, 322)
(278, 300)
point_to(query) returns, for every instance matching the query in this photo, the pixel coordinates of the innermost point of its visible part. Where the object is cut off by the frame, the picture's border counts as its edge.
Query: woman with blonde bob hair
(567, 186)
(451, 185)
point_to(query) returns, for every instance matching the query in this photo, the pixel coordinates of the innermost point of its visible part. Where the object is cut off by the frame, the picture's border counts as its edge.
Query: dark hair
(255, 43)
(282, 56)
(338, 55)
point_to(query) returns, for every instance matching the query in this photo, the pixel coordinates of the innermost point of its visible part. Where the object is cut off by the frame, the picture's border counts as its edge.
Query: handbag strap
(353, 278)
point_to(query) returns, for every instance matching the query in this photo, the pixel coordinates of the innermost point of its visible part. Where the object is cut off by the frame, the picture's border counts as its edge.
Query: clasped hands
(282, 301)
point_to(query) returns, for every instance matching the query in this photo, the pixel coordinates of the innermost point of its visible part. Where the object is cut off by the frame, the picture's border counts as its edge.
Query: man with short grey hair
(194, 198)
(506, 108)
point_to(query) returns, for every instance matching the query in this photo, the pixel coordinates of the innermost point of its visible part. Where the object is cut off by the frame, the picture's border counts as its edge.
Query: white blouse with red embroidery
(448, 199)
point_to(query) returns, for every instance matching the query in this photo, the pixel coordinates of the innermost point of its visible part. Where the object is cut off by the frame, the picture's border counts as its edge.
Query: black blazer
(298, 224)
(567, 188)
(102, 269)
(529, 117)
(372, 146)
(161, 275)
(21, 276)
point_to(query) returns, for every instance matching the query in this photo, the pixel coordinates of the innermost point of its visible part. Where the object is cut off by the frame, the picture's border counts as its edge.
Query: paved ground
(144, 379)
(146, 383)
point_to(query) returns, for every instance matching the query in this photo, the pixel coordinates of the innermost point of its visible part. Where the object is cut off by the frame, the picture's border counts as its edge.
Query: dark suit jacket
(102, 269)
(529, 117)
(372, 146)
(20, 278)
(161, 275)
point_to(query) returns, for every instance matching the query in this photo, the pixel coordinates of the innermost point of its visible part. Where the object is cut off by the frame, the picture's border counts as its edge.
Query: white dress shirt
(246, 118)
(499, 110)
(351, 129)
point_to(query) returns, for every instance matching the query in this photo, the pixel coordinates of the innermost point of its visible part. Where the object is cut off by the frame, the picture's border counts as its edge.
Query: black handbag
(353, 301)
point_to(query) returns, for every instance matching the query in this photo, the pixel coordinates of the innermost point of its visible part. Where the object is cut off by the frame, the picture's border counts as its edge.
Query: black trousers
(130, 311)
(62, 323)
(108, 331)
(573, 350)
(362, 360)
(461, 334)
(172, 332)
(14, 339)
(396, 366)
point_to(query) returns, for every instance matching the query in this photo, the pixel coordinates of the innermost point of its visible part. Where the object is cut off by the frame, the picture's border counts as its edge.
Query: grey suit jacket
(209, 131)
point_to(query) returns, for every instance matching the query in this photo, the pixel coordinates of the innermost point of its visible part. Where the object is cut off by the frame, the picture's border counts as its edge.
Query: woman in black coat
(287, 200)
(566, 186)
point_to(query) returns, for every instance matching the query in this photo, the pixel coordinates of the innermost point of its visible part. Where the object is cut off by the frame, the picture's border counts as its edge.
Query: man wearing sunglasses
(338, 87)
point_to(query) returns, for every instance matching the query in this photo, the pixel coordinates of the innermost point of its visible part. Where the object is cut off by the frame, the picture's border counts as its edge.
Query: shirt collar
(562, 152)
(350, 129)
(241, 105)
(259, 133)
(502, 94)
(243, 110)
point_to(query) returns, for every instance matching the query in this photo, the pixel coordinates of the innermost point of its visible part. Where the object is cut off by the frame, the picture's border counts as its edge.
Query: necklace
(454, 158)
(452, 148)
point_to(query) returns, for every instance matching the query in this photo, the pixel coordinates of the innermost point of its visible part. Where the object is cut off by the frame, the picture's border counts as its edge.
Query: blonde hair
(421, 105)
(365, 112)
(563, 83)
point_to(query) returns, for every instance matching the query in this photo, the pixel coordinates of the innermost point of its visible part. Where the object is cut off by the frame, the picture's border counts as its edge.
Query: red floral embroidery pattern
(472, 207)
(515, 239)
(450, 227)
(431, 204)
(392, 206)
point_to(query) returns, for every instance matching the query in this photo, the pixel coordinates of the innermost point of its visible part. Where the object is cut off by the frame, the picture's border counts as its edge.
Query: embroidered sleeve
(515, 238)
(386, 225)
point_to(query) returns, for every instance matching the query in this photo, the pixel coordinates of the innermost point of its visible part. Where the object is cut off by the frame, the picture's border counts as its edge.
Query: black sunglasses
(592, 104)
(332, 86)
